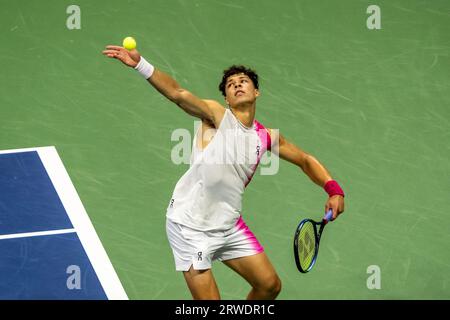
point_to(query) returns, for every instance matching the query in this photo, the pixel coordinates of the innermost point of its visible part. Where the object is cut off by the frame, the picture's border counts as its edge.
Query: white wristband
(145, 68)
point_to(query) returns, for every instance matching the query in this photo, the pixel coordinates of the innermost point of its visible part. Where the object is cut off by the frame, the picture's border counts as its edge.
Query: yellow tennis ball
(129, 43)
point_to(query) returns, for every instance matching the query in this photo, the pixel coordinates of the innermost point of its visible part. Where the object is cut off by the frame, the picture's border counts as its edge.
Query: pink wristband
(333, 188)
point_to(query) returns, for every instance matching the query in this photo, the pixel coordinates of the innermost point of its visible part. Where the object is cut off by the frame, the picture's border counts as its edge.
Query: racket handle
(328, 216)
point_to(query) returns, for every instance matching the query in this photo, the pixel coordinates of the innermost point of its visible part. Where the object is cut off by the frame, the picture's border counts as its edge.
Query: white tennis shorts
(199, 248)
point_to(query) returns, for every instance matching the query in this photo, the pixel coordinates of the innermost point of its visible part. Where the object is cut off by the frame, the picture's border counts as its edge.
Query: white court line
(20, 150)
(80, 220)
(35, 234)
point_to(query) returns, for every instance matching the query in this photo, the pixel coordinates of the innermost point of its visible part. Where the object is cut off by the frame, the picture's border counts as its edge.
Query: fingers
(121, 55)
(113, 51)
(110, 47)
(333, 209)
(110, 53)
(336, 204)
(327, 209)
(115, 54)
(335, 213)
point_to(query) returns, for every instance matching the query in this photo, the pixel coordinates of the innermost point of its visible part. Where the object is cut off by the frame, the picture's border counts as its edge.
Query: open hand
(130, 58)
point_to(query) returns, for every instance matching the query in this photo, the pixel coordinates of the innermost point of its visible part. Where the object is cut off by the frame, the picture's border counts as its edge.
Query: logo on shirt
(258, 148)
(171, 202)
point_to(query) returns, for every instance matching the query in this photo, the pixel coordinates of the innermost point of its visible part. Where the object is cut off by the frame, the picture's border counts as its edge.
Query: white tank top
(209, 195)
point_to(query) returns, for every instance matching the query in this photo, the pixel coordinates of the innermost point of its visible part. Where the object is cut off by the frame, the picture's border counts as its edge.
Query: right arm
(207, 110)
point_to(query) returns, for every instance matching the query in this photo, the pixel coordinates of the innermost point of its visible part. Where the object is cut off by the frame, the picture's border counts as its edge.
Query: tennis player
(204, 221)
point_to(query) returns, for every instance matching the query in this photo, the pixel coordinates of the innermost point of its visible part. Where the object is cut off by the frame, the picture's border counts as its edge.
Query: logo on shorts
(199, 254)
(171, 202)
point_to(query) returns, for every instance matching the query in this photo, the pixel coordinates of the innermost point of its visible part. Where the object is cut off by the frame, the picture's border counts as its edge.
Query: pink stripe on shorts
(250, 236)
(199, 248)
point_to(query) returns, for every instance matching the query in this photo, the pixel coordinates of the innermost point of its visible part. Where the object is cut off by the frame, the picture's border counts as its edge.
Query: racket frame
(317, 236)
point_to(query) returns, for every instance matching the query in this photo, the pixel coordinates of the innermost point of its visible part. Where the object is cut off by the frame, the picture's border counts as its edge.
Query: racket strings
(306, 245)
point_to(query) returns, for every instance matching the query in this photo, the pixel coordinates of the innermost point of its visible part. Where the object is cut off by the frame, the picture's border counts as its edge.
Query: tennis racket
(306, 242)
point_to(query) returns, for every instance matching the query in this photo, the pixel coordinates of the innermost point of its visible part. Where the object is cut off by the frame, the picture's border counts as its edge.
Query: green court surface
(372, 105)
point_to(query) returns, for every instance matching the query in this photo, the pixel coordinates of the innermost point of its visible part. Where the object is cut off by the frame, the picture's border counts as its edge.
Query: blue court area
(36, 268)
(29, 201)
(42, 255)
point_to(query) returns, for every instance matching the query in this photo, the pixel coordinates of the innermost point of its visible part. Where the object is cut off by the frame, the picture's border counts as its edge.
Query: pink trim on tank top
(249, 235)
(264, 136)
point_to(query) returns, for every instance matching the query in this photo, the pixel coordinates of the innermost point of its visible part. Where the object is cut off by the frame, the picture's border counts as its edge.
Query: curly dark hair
(236, 69)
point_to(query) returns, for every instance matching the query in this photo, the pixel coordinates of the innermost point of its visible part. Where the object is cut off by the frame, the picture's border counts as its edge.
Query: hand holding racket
(306, 241)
